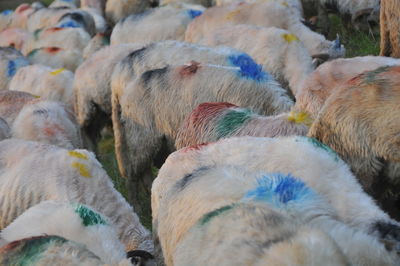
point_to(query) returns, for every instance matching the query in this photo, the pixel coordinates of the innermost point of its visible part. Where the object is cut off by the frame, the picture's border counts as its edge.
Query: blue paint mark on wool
(194, 13)
(68, 1)
(280, 190)
(248, 68)
(7, 12)
(14, 65)
(69, 24)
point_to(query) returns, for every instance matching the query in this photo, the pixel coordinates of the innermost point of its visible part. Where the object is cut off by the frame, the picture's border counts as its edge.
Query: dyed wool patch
(69, 24)
(232, 121)
(27, 251)
(194, 13)
(14, 65)
(7, 12)
(319, 145)
(88, 216)
(280, 190)
(82, 169)
(209, 216)
(248, 68)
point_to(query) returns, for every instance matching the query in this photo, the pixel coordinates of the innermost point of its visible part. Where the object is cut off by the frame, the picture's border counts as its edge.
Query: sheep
(56, 57)
(11, 103)
(47, 122)
(10, 61)
(78, 19)
(140, 28)
(92, 89)
(147, 113)
(63, 221)
(389, 28)
(21, 15)
(64, 3)
(15, 37)
(44, 18)
(49, 83)
(4, 129)
(357, 229)
(66, 38)
(267, 14)
(100, 22)
(363, 14)
(210, 122)
(359, 122)
(280, 52)
(319, 85)
(46, 172)
(117, 10)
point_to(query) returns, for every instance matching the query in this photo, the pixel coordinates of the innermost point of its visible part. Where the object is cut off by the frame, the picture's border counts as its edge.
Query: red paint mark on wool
(196, 147)
(189, 70)
(52, 130)
(16, 243)
(52, 50)
(209, 110)
(54, 29)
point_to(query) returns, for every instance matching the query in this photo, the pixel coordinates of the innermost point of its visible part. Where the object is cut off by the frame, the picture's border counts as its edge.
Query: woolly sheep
(117, 10)
(92, 89)
(11, 103)
(344, 211)
(68, 221)
(4, 129)
(56, 57)
(267, 14)
(66, 38)
(280, 52)
(363, 14)
(46, 172)
(78, 18)
(366, 134)
(210, 122)
(140, 28)
(100, 22)
(47, 122)
(147, 113)
(45, 17)
(10, 61)
(313, 93)
(21, 16)
(15, 37)
(49, 83)
(389, 28)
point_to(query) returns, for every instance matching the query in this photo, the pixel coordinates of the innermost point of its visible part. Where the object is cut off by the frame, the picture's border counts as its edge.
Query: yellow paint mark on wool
(232, 14)
(300, 118)
(36, 96)
(289, 37)
(82, 168)
(78, 154)
(285, 4)
(57, 71)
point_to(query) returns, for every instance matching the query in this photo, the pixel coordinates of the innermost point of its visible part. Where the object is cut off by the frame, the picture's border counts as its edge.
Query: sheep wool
(43, 172)
(210, 122)
(366, 135)
(4, 129)
(389, 28)
(10, 61)
(11, 103)
(56, 57)
(281, 172)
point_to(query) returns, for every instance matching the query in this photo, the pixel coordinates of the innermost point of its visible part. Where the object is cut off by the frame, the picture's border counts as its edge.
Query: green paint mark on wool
(208, 216)
(32, 250)
(370, 77)
(88, 216)
(232, 121)
(320, 145)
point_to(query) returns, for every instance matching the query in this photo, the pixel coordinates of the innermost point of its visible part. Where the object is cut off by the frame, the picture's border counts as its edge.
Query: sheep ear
(139, 257)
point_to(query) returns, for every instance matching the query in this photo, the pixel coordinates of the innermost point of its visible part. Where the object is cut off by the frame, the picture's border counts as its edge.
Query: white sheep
(47, 122)
(10, 61)
(277, 50)
(48, 83)
(15, 37)
(71, 222)
(266, 14)
(344, 211)
(56, 57)
(140, 28)
(46, 172)
(92, 88)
